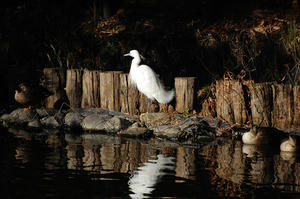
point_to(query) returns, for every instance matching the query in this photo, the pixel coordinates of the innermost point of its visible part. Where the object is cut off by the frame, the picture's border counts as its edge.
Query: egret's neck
(136, 61)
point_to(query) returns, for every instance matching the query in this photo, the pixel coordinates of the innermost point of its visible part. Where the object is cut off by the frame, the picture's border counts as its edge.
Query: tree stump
(55, 82)
(230, 102)
(129, 96)
(109, 90)
(283, 102)
(261, 103)
(74, 87)
(185, 93)
(90, 89)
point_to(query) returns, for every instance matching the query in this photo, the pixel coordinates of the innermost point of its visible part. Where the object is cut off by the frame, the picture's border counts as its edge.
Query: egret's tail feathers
(163, 96)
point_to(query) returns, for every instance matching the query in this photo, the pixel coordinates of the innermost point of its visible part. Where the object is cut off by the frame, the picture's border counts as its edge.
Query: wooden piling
(230, 102)
(109, 90)
(296, 94)
(185, 89)
(90, 89)
(54, 81)
(143, 104)
(74, 87)
(283, 101)
(261, 103)
(129, 96)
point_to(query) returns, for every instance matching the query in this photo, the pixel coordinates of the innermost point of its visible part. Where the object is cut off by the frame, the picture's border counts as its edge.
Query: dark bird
(30, 96)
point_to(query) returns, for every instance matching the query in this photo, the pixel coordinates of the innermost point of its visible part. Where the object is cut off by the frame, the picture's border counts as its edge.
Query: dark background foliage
(179, 38)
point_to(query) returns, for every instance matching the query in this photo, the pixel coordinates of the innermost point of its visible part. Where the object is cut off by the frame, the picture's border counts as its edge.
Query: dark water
(59, 165)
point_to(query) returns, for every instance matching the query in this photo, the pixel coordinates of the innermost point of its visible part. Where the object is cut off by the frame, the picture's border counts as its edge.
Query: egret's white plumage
(147, 81)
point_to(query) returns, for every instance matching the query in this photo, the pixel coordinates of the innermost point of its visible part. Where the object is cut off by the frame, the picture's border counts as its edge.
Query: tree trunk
(109, 90)
(185, 93)
(54, 82)
(74, 87)
(90, 89)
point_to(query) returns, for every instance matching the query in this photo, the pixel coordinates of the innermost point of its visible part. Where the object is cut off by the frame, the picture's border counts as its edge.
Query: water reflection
(144, 179)
(117, 167)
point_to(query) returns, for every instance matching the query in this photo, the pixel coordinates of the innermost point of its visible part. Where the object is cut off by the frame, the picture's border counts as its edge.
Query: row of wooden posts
(110, 90)
(267, 104)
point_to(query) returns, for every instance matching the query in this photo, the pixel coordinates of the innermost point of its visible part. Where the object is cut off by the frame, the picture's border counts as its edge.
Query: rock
(166, 131)
(34, 124)
(105, 122)
(95, 122)
(19, 116)
(194, 129)
(50, 122)
(89, 111)
(116, 124)
(42, 112)
(73, 119)
(135, 130)
(156, 119)
(5, 117)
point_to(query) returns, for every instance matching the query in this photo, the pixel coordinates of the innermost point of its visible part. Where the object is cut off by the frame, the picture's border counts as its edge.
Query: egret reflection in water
(143, 181)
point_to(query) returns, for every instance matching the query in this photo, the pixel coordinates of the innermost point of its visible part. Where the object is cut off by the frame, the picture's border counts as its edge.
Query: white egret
(147, 81)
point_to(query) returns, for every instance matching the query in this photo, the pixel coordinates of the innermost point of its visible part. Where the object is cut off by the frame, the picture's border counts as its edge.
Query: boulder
(194, 129)
(135, 130)
(157, 119)
(116, 124)
(34, 124)
(50, 122)
(95, 122)
(73, 119)
(166, 131)
(19, 116)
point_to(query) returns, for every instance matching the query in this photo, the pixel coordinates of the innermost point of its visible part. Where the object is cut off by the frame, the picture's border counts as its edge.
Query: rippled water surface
(63, 165)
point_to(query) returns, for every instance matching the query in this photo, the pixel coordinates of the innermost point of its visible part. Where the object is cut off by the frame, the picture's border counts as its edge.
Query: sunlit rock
(135, 130)
(116, 124)
(73, 119)
(50, 122)
(95, 122)
(19, 116)
(34, 124)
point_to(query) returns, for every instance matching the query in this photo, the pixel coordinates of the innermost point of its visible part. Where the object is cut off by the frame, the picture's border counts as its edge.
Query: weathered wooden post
(230, 102)
(296, 122)
(261, 103)
(283, 102)
(74, 87)
(143, 104)
(109, 90)
(90, 89)
(55, 82)
(129, 96)
(185, 88)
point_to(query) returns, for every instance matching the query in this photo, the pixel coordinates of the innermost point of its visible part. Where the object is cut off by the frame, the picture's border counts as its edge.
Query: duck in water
(289, 145)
